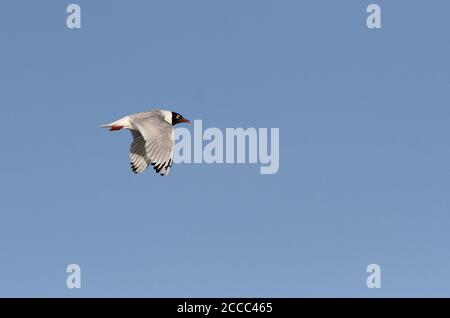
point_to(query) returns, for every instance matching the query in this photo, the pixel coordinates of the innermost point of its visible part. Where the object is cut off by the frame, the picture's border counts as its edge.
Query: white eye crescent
(178, 116)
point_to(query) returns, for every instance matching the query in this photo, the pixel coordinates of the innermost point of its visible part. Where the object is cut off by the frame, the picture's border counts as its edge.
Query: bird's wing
(158, 139)
(138, 154)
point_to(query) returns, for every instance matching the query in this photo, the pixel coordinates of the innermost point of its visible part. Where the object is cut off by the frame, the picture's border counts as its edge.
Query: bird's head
(177, 119)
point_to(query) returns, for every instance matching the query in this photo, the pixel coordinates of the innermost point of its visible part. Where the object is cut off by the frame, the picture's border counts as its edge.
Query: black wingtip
(133, 168)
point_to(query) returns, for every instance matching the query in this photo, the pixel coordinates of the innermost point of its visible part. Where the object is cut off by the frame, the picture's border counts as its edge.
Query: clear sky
(364, 148)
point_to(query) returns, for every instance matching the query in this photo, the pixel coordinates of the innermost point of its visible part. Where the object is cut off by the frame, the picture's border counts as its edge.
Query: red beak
(184, 120)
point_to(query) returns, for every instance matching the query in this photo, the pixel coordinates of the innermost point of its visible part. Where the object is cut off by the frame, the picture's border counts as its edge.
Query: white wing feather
(153, 143)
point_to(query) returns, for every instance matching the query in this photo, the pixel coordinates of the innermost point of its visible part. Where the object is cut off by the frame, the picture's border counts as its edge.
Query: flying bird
(153, 138)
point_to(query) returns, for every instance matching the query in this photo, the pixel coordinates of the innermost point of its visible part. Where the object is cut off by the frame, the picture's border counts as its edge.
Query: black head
(177, 119)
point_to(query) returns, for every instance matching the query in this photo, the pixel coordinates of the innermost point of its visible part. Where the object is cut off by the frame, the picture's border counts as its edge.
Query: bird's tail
(112, 126)
(118, 124)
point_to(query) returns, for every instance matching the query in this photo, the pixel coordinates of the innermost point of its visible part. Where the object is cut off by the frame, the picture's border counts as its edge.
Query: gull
(153, 138)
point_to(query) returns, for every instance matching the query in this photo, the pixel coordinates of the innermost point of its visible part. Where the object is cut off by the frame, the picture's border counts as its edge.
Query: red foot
(116, 128)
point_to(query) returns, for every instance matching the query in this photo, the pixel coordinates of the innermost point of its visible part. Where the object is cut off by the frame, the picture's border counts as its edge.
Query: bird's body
(153, 138)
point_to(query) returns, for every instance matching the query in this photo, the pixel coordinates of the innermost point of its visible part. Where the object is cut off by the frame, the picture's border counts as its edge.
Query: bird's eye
(178, 116)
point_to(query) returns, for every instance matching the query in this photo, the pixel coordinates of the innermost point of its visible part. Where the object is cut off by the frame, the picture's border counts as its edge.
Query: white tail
(118, 124)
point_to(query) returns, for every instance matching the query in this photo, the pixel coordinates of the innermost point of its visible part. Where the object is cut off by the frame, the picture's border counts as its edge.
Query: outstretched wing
(138, 154)
(154, 145)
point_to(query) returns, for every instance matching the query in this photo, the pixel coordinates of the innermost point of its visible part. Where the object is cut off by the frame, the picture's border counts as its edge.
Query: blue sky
(364, 157)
